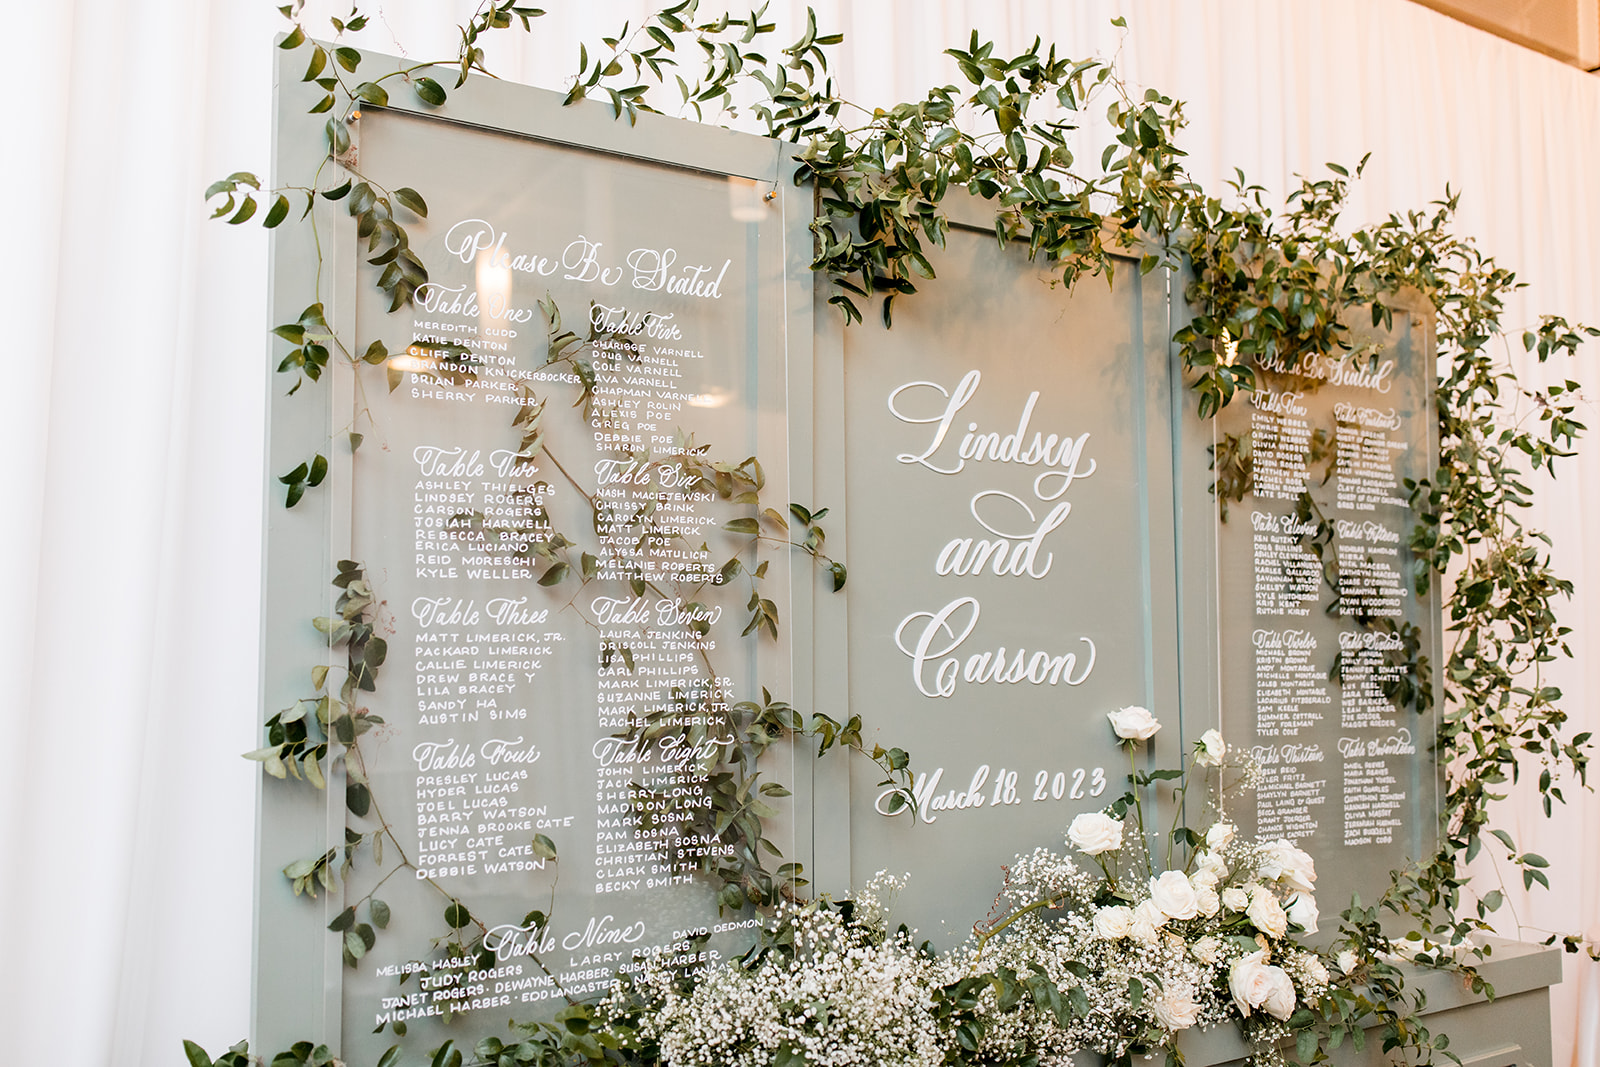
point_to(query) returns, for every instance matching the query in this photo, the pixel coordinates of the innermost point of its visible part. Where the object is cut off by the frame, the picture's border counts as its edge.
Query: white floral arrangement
(832, 986)
(1098, 949)
(1143, 953)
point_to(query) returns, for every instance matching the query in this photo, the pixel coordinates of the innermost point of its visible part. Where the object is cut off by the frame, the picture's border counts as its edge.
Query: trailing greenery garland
(1263, 284)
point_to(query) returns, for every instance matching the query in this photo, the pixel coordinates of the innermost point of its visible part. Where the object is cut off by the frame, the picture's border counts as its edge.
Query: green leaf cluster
(310, 337)
(388, 244)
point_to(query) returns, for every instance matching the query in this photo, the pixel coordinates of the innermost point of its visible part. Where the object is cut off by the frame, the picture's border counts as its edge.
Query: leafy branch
(1267, 287)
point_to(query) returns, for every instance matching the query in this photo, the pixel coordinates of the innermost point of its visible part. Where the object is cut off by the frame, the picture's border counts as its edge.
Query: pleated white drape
(131, 415)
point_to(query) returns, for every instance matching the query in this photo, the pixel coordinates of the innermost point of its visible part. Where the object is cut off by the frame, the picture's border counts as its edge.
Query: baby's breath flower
(1139, 959)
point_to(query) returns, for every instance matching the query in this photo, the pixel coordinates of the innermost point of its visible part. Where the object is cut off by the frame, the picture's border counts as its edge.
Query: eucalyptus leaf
(277, 213)
(313, 770)
(412, 201)
(429, 92)
(354, 944)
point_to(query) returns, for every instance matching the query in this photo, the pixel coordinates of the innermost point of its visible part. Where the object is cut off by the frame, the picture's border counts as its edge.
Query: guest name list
(1317, 576)
(532, 506)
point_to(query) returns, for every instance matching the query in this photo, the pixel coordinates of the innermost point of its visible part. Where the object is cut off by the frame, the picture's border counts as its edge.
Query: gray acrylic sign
(1009, 524)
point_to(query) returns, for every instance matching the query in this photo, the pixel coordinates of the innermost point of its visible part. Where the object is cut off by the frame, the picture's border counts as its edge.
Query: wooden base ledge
(1513, 1030)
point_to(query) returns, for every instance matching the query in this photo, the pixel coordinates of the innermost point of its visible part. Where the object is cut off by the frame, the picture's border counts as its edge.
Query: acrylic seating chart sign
(1327, 647)
(522, 689)
(551, 501)
(561, 527)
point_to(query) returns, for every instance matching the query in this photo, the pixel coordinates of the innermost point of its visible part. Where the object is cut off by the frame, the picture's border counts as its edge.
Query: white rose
(1173, 894)
(1280, 999)
(1147, 922)
(1303, 912)
(1095, 832)
(1267, 913)
(1345, 961)
(1133, 723)
(1291, 868)
(1114, 922)
(1206, 860)
(1209, 750)
(1315, 972)
(1247, 981)
(1255, 983)
(1177, 1010)
(1204, 878)
(1149, 911)
(1207, 901)
(1235, 899)
(1220, 835)
(1207, 949)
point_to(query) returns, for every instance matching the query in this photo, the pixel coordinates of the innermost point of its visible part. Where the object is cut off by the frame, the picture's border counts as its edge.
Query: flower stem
(1179, 795)
(984, 936)
(1138, 806)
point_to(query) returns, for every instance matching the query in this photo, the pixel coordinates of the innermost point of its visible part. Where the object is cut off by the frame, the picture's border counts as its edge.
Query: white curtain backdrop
(131, 415)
